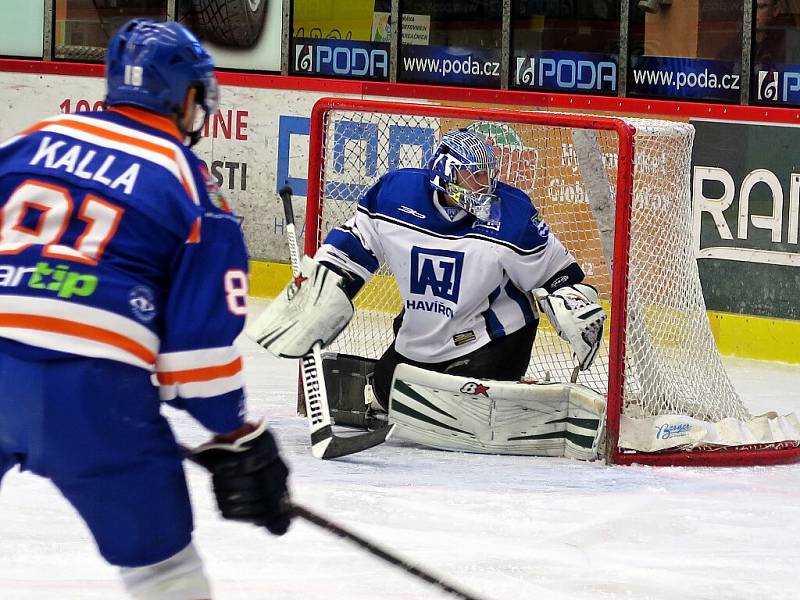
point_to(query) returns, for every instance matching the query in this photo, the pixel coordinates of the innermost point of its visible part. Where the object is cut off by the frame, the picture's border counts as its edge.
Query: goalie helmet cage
(614, 191)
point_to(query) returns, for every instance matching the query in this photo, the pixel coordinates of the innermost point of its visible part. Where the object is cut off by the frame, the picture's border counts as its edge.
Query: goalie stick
(311, 516)
(324, 444)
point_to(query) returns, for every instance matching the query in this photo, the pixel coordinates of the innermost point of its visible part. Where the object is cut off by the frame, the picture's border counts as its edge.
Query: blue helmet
(464, 167)
(151, 65)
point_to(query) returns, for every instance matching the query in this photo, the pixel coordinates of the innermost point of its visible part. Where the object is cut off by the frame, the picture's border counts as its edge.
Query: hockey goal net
(615, 192)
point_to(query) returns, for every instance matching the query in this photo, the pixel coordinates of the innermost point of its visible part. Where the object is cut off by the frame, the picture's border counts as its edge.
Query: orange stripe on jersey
(194, 234)
(202, 374)
(80, 330)
(101, 132)
(163, 124)
(169, 153)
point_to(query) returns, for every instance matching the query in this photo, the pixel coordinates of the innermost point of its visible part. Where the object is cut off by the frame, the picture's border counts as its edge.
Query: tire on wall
(236, 23)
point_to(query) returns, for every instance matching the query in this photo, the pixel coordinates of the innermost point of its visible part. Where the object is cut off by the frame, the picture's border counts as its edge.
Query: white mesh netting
(671, 365)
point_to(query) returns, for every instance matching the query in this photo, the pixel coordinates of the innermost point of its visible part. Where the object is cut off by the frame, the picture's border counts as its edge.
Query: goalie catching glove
(249, 477)
(576, 316)
(313, 308)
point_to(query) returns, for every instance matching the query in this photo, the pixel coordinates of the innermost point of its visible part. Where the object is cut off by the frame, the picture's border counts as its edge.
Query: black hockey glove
(249, 477)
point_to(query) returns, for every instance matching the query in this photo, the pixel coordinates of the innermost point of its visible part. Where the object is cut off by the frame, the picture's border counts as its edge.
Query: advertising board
(746, 204)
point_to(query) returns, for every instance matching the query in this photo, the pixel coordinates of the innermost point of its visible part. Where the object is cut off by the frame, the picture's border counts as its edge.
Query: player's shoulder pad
(521, 223)
(400, 193)
(514, 198)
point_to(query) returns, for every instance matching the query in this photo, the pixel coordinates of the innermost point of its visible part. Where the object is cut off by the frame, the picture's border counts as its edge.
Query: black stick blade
(344, 445)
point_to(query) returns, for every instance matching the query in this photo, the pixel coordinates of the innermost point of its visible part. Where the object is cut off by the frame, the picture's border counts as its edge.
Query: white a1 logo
(437, 271)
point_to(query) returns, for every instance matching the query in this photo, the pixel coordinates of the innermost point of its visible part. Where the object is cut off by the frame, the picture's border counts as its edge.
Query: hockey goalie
(475, 265)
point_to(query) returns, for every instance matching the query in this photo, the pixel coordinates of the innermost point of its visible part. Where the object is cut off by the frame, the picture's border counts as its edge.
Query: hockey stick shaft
(314, 392)
(383, 554)
(291, 233)
(324, 444)
(309, 515)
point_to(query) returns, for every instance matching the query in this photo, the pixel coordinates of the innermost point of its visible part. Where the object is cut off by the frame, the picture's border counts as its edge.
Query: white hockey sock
(180, 577)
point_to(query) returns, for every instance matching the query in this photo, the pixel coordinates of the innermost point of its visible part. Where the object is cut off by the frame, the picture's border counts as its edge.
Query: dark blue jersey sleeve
(199, 367)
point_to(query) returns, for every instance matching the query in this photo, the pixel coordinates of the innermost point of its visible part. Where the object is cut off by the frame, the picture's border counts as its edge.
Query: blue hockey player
(120, 260)
(467, 251)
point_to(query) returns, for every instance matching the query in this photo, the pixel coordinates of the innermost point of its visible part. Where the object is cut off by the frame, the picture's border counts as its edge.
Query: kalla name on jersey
(73, 158)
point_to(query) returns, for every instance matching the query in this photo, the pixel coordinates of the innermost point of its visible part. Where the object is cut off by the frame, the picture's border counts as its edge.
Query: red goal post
(615, 191)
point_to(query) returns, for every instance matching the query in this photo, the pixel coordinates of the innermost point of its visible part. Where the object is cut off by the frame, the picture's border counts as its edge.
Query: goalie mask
(465, 168)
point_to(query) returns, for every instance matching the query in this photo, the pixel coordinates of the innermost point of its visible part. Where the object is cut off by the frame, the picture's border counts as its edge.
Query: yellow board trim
(746, 336)
(762, 338)
(267, 279)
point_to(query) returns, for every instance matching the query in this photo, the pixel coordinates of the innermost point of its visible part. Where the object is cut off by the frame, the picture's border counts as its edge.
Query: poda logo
(561, 72)
(778, 86)
(142, 303)
(303, 59)
(341, 57)
(475, 388)
(767, 85)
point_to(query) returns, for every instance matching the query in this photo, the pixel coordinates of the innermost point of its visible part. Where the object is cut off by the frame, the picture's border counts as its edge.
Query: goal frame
(738, 456)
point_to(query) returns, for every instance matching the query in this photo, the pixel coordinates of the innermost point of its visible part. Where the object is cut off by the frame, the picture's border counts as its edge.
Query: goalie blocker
(313, 307)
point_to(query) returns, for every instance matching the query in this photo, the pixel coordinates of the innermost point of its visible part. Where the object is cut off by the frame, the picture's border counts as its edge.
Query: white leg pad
(180, 577)
(496, 417)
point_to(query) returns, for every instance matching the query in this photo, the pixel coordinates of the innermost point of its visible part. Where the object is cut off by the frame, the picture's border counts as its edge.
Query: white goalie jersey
(463, 281)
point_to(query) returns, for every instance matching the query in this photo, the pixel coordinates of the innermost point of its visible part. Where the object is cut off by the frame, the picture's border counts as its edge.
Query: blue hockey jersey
(463, 281)
(115, 243)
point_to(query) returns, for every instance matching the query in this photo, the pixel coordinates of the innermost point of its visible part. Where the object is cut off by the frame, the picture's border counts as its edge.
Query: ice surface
(506, 528)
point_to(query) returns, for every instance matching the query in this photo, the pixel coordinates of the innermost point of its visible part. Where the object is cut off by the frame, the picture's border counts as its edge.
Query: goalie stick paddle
(324, 443)
(309, 515)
